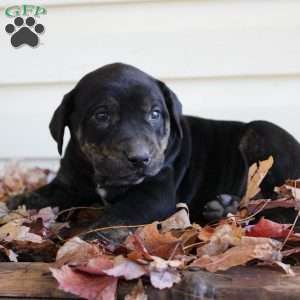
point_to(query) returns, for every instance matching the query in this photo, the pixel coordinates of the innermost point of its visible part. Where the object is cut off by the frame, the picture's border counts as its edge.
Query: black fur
(205, 163)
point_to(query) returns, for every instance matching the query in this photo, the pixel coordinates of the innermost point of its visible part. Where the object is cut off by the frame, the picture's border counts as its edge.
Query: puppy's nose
(139, 160)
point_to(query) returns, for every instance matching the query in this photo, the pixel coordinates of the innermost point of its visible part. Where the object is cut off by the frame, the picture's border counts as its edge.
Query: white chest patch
(102, 193)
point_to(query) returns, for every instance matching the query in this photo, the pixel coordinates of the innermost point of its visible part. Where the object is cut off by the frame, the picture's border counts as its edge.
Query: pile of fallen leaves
(159, 252)
(162, 251)
(16, 179)
(29, 235)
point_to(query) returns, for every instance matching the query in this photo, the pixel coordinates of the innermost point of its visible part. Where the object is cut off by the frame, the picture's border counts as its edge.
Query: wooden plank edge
(34, 281)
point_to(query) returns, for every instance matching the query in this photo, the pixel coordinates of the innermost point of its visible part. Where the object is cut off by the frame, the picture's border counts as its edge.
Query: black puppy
(132, 148)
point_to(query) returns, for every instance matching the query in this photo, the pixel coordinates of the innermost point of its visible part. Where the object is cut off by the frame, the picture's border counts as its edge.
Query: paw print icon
(24, 32)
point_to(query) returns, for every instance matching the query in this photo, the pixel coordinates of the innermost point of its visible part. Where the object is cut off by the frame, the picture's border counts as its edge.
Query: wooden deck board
(34, 281)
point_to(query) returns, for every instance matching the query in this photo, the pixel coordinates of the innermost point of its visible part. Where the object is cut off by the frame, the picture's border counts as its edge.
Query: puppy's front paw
(31, 200)
(108, 228)
(220, 207)
(115, 236)
(15, 202)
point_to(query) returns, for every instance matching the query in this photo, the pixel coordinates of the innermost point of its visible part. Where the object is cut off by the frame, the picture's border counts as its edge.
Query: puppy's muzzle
(139, 159)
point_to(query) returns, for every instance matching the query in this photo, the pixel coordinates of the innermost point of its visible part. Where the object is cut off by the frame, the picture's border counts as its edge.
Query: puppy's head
(122, 120)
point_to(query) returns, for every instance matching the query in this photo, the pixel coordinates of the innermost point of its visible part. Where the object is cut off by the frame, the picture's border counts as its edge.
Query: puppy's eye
(102, 116)
(155, 115)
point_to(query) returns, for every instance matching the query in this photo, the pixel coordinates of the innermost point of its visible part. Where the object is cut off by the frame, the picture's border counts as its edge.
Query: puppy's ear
(60, 120)
(174, 107)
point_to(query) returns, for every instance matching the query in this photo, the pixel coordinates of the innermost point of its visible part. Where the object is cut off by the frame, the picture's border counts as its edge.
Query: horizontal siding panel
(173, 40)
(50, 3)
(272, 99)
(24, 117)
(226, 59)
(26, 110)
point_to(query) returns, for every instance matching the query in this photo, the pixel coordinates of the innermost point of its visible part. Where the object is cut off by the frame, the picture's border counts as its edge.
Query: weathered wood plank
(34, 281)
(28, 280)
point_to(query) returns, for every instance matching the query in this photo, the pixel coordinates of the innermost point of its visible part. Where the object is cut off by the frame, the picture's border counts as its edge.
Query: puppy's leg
(53, 194)
(231, 180)
(152, 200)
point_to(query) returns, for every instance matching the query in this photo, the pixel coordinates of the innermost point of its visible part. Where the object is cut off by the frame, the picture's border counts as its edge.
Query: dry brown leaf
(189, 238)
(6, 216)
(164, 279)
(164, 273)
(291, 189)
(159, 244)
(236, 256)
(44, 222)
(41, 223)
(224, 236)
(206, 233)
(160, 264)
(290, 252)
(4, 211)
(85, 285)
(180, 220)
(47, 214)
(138, 251)
(96, 265)
(284, 267)
(270, 229)
(137, 293)
(15, 231)
(257, 173)
(126, 268)
(245, 249)
(252, 241)
(76, 251)
(267, 204)
(2, 191)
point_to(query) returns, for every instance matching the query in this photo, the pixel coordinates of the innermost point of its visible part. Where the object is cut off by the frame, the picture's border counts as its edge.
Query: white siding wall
(225, 59)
